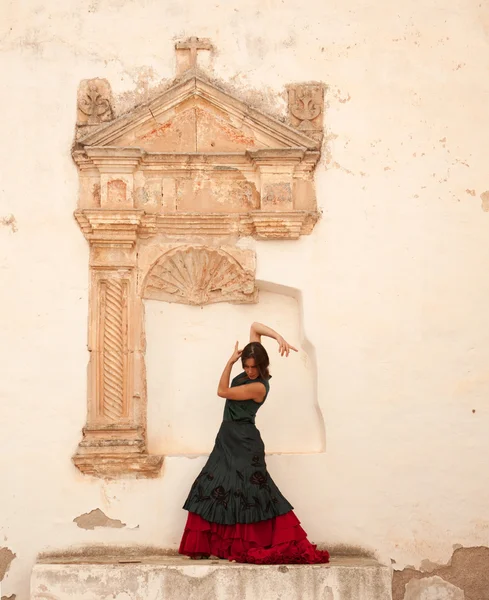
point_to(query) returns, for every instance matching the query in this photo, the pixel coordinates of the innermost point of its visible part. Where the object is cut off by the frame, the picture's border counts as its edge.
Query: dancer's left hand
(284, 347)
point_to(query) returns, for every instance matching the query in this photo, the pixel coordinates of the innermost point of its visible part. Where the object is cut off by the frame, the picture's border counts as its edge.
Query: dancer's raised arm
(251, 391)
(258, 329)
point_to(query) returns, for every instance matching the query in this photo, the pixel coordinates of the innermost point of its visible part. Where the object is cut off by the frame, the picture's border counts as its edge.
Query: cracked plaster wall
(394, 278)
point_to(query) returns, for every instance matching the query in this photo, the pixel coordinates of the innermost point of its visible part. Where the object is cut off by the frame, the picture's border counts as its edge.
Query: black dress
(234, 486)
(235, 509)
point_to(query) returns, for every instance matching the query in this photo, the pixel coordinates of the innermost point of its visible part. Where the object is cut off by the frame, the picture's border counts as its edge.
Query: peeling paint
(428, 567)
(6, 557)
(485, 201)
(97, 518)
(468, 570)
(337, 165)
(9, 222)
(11, 597)
(433, 588)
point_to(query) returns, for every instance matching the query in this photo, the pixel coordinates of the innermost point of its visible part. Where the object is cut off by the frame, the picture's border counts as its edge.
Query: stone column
(114, 443)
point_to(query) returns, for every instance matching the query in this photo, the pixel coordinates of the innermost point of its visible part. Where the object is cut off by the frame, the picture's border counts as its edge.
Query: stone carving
(277, 196)
(94, 102)
(116, 191)
(113, 315)
(189, 48)
(200, 275)
(165, 192)
(306, 103)
(96, 194)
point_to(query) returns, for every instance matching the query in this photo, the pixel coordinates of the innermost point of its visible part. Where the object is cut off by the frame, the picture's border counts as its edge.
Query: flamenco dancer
(235, 510)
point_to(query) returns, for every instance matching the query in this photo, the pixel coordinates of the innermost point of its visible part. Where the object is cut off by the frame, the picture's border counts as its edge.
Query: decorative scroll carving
(114, 347)
(306, 103)
(200, 275)
(94, 102)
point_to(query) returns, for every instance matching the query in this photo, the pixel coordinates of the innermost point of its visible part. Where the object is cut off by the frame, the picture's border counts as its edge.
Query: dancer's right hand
(236, 354)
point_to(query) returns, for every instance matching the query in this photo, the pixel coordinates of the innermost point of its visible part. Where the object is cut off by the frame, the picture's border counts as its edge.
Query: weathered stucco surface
(174, 578)
(467, 571)
(6, 558)
(393, 278)
(432, 588)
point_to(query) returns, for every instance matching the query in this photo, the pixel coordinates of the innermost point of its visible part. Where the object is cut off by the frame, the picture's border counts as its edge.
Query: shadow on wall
(187, 348)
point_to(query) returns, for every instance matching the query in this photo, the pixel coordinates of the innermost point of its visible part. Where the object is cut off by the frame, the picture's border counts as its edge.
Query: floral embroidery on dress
(220, 496)
(244, 502)
(256, 461)
(201, 496)
(258, 478)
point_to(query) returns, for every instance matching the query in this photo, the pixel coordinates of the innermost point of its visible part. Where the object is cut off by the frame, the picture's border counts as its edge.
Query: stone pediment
(198, 161)
(195, 116)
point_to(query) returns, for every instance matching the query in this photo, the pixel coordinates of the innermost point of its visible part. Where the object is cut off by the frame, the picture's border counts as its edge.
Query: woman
(235, 509)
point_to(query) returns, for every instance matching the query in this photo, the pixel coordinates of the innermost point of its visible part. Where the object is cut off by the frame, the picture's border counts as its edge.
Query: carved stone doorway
(166, 190)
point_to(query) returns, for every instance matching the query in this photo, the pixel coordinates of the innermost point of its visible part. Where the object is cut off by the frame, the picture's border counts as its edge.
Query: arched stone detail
(200, 275)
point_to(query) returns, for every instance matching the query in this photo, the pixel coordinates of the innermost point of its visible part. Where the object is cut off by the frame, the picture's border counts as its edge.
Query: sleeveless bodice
(244, 411)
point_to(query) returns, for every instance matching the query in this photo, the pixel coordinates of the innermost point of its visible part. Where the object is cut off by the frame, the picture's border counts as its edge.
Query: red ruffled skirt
(280, 540)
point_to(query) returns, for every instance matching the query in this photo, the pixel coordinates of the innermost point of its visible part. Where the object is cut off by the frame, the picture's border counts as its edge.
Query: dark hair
(257, 351)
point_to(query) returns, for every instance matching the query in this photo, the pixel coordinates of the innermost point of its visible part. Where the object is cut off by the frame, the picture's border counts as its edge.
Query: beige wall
(186, 347)
(393, 281)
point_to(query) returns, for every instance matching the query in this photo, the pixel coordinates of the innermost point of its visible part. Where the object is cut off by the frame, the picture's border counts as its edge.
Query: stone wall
(390, 287)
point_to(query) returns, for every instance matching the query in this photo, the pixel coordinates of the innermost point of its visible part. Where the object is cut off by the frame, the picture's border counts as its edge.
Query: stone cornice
(120, 160)
(122, 227)
(104, 227)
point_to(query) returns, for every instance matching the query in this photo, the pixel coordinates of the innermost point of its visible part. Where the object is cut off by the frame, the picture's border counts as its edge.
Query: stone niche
(166, 190)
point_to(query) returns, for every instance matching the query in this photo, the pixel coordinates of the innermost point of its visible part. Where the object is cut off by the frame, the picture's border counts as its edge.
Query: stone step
(178, 578)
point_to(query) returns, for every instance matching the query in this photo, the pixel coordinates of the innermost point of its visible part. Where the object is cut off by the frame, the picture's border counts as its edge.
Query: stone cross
(190, 46)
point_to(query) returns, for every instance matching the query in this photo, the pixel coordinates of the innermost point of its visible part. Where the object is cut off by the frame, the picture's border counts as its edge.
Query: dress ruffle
(279, 540)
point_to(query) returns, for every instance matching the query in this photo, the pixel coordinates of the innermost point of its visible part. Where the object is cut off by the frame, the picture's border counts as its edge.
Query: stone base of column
(116, 453)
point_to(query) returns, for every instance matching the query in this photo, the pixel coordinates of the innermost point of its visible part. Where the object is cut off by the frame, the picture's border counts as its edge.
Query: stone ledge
(116, 466)
(176, 578)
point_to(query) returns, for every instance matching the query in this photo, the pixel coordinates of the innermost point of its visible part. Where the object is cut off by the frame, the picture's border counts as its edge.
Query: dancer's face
(250, 368)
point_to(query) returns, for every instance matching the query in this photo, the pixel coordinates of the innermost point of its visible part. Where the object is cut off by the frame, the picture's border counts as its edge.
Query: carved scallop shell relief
(200, 275)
